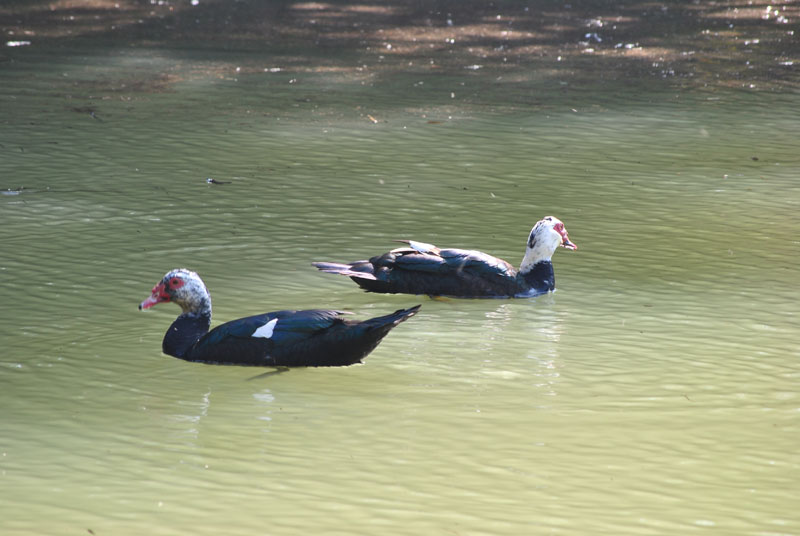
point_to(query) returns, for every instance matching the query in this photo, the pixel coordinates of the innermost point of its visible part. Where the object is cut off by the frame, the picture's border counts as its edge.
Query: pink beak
(565, 237)
(158, 295)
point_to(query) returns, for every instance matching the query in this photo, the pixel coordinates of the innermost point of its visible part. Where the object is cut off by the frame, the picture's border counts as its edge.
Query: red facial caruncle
(565, 242)
(162, 292)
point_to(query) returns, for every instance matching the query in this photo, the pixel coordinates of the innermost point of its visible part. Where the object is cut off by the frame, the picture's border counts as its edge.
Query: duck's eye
(175, 282)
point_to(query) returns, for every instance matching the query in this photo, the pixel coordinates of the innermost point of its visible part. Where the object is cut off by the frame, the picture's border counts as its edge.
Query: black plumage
(425, 269)
(310, 338)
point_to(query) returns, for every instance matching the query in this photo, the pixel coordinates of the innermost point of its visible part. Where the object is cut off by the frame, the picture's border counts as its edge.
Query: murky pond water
(654, 393)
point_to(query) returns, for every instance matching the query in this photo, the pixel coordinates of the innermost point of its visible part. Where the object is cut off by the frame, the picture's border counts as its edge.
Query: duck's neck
(540, 276)
(185, 332)
(539, 250)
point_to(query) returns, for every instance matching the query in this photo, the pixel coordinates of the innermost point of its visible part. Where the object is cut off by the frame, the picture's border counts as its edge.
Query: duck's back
(449, 272)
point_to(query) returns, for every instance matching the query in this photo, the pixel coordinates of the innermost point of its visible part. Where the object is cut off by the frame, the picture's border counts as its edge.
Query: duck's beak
(158, 295)
(565, 241)
(567, 244)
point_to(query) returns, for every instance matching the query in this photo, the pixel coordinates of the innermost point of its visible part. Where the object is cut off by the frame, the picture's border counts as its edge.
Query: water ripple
(653, 393)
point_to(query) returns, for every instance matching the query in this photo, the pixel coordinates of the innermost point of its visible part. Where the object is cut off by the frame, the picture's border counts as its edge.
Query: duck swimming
(422, 268)
(310, 338)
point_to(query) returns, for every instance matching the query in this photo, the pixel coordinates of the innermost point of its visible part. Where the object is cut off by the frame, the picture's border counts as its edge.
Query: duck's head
(183, 287)
(553, 226)
(546, 236)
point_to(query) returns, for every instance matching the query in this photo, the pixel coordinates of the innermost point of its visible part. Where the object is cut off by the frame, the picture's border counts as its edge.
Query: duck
(308, 338)
(422, 268)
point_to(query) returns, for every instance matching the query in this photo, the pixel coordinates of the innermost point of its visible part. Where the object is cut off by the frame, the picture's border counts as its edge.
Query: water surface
(653, 393)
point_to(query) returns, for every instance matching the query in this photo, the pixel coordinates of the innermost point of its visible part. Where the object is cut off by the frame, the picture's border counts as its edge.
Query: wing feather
(290, 326)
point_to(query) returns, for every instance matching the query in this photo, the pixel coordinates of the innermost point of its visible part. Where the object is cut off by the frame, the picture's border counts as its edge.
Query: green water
(654, 393)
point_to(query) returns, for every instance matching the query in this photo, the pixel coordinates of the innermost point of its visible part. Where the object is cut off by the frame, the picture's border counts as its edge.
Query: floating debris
(23, 190)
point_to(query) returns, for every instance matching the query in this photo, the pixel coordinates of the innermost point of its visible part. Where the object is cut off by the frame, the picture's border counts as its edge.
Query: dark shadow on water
(278, 370)
(685, 43)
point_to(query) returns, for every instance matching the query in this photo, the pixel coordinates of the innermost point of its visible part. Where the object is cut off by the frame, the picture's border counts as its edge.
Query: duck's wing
(279, 327)
(435, 260)
(477, 262)
(421, 247)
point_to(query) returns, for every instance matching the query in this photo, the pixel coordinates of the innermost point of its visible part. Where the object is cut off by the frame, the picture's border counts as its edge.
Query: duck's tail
(391, 320)
(359, 269)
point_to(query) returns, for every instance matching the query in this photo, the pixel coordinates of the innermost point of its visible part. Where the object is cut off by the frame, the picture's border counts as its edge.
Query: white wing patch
(423, 247)
(266, 330)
